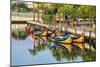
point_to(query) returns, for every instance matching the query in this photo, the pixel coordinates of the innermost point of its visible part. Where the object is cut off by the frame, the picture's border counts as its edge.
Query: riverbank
(79, 30)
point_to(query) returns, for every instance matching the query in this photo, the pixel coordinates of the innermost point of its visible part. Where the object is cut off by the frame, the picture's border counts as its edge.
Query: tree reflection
(56, 53)
(63, 53)
(18, 34)
(89, 55)
(39, 45)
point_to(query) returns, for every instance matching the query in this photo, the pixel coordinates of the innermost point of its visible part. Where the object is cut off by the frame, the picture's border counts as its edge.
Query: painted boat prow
(79, 40)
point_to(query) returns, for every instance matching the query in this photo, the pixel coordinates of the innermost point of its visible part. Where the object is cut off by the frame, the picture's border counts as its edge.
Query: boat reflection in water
(63, 51)
(42, 50)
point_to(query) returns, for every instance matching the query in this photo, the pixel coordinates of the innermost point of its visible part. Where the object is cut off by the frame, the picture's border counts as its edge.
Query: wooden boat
(44, 34)
(61, 39)
(40, 33)
(73, 36)
(79, 40)
(49, 32)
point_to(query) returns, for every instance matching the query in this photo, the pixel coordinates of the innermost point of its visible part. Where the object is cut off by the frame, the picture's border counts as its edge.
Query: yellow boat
(45, 33)
(65, 41)
(79, 40)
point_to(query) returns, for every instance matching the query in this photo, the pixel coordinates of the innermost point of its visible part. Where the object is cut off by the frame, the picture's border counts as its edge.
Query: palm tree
(84, 14)
(33, 12)
(36, 10)
(66, 10)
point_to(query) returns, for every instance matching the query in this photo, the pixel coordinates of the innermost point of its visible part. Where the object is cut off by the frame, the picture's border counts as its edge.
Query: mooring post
(75, 30)
(33, 13)
(84, 31)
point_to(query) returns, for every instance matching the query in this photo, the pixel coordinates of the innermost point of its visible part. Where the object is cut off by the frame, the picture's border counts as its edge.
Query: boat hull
(79, 40)
(66, 41)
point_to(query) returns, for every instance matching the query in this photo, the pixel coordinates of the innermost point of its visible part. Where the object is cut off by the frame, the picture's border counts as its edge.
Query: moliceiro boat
(79, 40)
(40, 33)
(67, 39)
(61, 39)
(45, 33)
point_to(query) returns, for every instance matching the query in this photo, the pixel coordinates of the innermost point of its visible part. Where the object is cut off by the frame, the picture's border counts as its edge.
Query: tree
(75, 15)
(48, 18)
(49, 14)
(84, 12)
(20, 7)
(92, 13)
(67, 12)
(87, 12)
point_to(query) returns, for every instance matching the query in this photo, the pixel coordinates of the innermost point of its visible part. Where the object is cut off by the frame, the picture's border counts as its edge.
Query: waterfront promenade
(28, 17)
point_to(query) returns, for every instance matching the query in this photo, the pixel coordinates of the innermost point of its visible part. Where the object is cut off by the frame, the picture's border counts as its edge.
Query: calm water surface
(42, 51)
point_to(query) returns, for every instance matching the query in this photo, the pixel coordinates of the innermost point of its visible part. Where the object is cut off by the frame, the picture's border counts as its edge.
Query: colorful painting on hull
(52, 33)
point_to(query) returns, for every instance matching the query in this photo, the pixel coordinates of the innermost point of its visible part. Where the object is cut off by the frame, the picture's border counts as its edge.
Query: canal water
(40, 50)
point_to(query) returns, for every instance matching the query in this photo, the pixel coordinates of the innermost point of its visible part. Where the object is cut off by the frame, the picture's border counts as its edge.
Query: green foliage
(51, 11)
(87, 12)
(92, 10)
(20, 7)
(66, 10)
(42, 6)
(47, 17)
(17, 34)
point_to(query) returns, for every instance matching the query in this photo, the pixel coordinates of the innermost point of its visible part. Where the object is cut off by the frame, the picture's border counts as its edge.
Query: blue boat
(60, 38)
